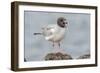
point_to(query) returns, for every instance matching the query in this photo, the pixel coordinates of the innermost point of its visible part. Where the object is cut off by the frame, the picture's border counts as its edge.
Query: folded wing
(49, 31)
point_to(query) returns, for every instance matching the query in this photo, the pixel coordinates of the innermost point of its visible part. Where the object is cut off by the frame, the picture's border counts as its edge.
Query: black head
(62, 22)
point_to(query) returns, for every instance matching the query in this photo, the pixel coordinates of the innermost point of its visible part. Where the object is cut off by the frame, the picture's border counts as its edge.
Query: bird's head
(62, 22)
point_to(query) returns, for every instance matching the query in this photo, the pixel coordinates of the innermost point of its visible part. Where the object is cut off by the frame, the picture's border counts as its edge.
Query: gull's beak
(66, 24)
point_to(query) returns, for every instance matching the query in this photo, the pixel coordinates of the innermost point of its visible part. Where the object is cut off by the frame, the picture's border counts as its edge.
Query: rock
(57, 56)
(86, 56)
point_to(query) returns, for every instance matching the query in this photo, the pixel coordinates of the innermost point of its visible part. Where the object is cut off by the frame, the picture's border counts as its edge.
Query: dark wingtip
(36, 33)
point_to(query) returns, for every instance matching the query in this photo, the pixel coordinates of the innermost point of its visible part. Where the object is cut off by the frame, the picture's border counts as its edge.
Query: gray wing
(49, 30)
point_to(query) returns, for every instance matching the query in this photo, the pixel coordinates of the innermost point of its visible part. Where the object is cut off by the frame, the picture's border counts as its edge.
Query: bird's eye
(63, 22)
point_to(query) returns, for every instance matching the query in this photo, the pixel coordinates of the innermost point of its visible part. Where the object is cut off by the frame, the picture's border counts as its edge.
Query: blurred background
(76, 42)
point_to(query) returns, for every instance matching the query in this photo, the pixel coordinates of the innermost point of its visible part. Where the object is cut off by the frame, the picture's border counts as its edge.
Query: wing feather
(49, 30)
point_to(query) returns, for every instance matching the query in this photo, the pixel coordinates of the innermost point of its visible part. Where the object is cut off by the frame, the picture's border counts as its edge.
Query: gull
(55, 32)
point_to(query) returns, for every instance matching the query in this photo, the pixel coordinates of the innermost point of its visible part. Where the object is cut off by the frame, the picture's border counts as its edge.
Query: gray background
(76, 42)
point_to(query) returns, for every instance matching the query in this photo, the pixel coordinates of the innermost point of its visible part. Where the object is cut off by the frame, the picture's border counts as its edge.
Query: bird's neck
(59, 27)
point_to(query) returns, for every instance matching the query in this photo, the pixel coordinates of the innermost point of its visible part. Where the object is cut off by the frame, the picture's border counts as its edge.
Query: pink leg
(59, 44)
(60, 49)
(53, 44)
